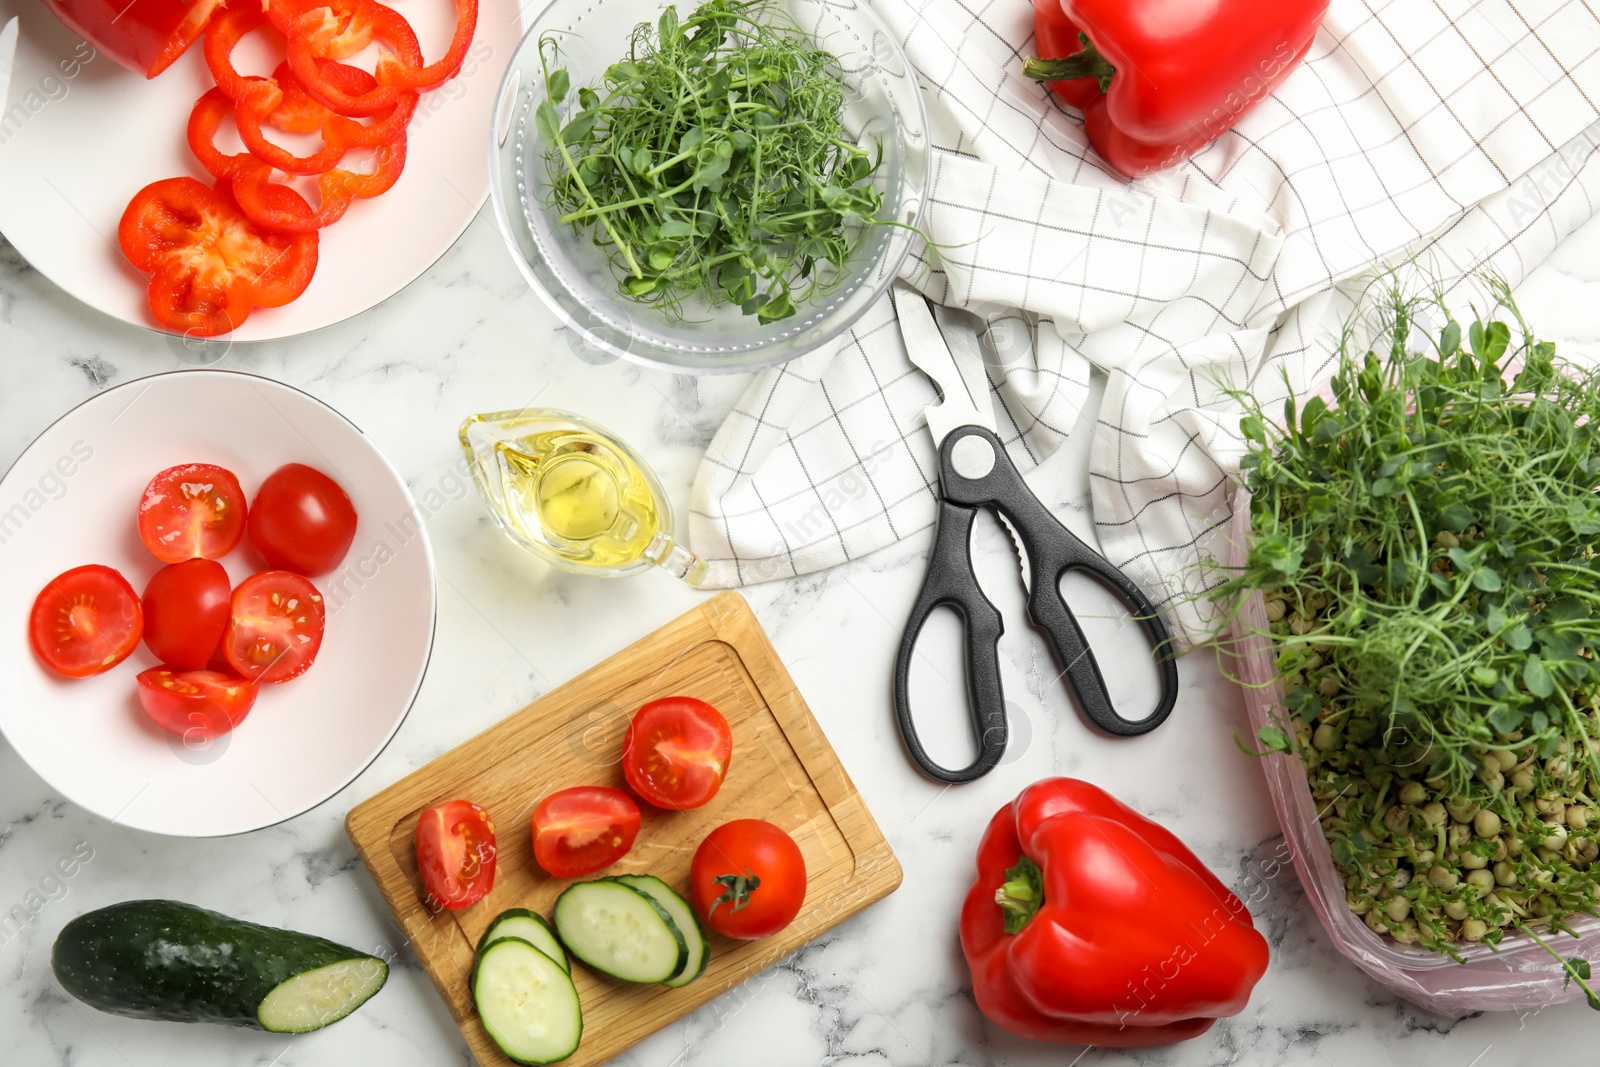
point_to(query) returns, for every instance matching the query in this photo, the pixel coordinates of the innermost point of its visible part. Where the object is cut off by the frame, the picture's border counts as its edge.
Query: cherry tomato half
(301, 520)
(85, 621)
(192, 510)
(456, 854)
(275, 627)
(186, 608)
(195, 705)
(748, 879)
(579, 831)
(676, 752)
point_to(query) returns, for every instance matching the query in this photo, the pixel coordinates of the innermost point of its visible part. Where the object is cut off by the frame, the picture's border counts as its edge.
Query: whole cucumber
(163, 959)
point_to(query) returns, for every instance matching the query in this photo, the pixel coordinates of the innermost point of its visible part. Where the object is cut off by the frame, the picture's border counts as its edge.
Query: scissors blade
(931, 354)
(1022, 551)
(8, 52)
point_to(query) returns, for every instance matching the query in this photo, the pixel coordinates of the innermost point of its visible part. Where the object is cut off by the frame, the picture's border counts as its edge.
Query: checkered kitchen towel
(1459, 132)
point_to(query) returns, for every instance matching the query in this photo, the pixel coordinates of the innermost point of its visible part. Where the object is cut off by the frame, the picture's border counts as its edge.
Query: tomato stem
(736, 889)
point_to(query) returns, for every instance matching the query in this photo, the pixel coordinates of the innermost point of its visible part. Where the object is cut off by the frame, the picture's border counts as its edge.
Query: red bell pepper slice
(1154, 88)
(337, 188)
(1089, 924)
(204, 121)
(208, 264)
(187, 33)
(222, 36)
(339, 134)
(447, 66)
(314, 30)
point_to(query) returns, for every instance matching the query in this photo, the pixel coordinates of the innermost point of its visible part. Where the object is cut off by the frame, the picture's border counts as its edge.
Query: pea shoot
(1423, 547)
(712, 160)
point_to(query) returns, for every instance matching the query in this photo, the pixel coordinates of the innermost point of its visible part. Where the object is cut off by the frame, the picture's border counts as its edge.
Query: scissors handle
(952, 582)
(1053, 550)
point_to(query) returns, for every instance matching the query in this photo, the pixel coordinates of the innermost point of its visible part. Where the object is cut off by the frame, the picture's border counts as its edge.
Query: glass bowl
(882, 102)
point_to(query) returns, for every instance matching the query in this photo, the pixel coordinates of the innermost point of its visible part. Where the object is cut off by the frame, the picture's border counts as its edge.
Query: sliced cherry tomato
(336, 29)
(456, 854)
(85, 621)
(275, 629)
(581, 830)
(186, 608)
(192, 511)
(676, 752)
(262, 202)
(748, 879)
(195, 705)
(209, 266)
(145, 36)
(302, 520)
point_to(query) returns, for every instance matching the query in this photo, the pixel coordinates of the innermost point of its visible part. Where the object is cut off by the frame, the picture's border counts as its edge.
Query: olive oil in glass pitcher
(574, 494)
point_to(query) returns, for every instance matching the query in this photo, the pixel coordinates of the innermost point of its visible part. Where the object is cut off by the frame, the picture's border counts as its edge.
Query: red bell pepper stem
(1088, 63)
(1021, 895)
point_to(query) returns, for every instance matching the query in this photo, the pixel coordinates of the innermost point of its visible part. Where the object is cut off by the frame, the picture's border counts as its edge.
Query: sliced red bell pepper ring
(252, 188)
(339, 134)
(222, 37)
(208, 264)
(204, 121)
(323, 32)
(443, 69)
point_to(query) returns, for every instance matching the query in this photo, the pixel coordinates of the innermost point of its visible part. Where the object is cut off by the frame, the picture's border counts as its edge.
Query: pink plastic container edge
(1520, 977)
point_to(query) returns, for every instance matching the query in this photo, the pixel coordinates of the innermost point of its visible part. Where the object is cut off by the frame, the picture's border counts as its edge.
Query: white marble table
(888, 987)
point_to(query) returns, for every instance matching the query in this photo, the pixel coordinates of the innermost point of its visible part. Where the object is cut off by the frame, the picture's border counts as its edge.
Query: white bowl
(70, 499)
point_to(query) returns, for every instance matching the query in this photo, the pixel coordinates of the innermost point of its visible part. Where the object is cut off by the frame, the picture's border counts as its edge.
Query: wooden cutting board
(782, 770)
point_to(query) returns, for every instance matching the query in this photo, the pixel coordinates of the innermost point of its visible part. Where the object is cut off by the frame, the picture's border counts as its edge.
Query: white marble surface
(889, 987)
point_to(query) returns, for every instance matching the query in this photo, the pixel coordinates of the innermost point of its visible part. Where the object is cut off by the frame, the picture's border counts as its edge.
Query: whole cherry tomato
(748, 879)
(302, 520)
(186, 607)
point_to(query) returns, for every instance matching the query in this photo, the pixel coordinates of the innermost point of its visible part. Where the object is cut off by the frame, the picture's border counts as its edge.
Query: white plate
(74, 149)
(70, 499)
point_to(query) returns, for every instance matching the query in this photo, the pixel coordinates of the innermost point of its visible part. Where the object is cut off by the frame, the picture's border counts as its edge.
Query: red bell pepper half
(1089, 924)
(1158, 81)
(208, 265)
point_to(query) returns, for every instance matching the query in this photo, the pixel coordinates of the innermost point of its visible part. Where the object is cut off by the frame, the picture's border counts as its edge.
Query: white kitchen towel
(1459, 133)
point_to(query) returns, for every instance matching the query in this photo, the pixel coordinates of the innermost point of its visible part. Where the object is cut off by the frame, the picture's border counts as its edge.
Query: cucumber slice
(527, 1003)
(617, 929)
(162, 959)
(683, 917)
(531, 927)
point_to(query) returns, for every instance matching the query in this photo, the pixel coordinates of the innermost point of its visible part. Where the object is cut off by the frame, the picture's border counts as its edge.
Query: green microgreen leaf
(713, 161)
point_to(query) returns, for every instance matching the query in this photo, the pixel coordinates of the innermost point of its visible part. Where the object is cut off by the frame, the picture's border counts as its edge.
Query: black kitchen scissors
(974, 472)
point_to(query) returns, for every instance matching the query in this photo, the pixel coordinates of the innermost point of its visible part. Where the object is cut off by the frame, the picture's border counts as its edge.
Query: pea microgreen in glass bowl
(712, 160)
(713, 191)
(1416, 602)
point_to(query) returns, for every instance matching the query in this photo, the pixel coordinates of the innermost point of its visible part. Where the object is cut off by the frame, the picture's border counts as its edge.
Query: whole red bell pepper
(1157, 80)
(1089, 924)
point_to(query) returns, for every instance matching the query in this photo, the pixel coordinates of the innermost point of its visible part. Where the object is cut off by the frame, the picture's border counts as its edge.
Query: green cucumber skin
(681, 980)
(166, 960)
